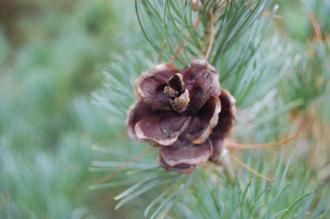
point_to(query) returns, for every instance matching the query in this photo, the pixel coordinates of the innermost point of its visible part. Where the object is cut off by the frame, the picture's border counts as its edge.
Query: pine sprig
(120, 75)
(252, 68)
(310, 79)
(169, 25)
(251, 197)
(141, 176)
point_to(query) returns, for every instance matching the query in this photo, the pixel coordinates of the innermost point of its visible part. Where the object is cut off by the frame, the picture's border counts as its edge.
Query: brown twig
(271, 15)
(250, 169)
(209, 48)
(179, 50)
(232, 144)
(161, 53)
(316, 27)
(183, 44)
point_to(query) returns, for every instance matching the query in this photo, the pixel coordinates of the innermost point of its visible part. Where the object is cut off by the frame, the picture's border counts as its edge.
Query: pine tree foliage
(270, 80)
(169, 26)
(274, 60)
(310, 79)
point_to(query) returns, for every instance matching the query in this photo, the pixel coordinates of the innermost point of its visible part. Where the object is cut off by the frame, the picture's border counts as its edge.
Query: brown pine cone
(184, 113)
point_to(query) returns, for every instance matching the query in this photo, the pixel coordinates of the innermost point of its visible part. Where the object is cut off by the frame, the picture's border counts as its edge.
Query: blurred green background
(50, 56)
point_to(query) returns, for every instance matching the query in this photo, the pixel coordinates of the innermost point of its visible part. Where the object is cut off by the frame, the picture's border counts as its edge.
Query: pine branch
(231, 35)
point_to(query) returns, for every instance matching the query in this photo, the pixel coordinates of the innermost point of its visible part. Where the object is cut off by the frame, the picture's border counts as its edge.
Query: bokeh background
(51, 56)
(50, 53)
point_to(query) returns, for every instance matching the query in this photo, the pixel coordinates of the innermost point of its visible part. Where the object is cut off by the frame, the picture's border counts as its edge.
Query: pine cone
(186, 114)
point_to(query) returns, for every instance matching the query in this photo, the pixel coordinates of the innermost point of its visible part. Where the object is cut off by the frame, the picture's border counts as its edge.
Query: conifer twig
(250, 169)
(161, 53)
(184, 43)
(232, 144)
(209, 49)
(179, 50)
(272, 15)
(316, 27)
